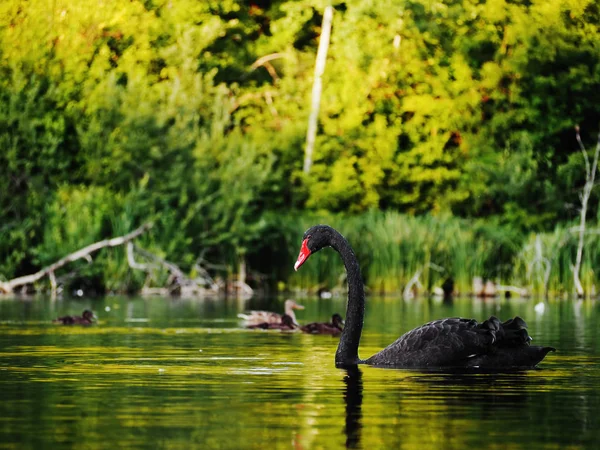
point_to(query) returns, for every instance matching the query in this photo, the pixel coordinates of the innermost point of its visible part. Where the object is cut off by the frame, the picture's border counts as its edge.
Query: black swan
(334, 327)
(85, 319)
(286, 323)
(259, 317)
(445, 343)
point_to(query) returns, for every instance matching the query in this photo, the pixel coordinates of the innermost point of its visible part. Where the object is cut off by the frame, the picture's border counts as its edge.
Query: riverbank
(399, 254)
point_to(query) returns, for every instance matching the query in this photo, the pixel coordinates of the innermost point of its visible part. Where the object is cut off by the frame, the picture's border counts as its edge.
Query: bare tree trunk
(9, 286)
(241, 274)
(585, 196)
(317, 86)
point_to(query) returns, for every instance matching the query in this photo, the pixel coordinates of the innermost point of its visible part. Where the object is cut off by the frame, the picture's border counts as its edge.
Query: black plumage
(458, 342)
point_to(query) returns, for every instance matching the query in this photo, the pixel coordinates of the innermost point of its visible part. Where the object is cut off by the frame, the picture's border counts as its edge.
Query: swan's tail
(515, 332)
(512, 333)
(511, 346)
(511, 358)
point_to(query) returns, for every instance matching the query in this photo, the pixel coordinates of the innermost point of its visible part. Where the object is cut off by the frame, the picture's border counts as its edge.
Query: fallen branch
(179, 282)
(171, 267)
(414, 281)
(264, 59)
(265, 62)
(8, 287)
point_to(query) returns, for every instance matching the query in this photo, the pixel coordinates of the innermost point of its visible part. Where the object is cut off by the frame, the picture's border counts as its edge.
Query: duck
(286, 324)
(334, 327)
(450, 343)
(86, 319)
(260, 317)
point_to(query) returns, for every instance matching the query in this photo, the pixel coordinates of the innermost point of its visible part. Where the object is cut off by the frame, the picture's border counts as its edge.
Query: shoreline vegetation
(453, 143)
(399, 254)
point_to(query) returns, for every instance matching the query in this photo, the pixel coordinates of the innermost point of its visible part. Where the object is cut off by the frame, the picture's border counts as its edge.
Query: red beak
(303, 256)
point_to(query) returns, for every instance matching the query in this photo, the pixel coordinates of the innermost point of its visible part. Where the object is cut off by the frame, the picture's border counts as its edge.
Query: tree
(590, 176)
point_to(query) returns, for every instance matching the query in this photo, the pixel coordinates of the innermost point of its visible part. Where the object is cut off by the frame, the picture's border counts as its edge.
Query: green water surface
(176, 373)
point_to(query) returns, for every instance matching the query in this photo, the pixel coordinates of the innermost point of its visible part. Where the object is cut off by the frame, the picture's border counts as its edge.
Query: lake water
(180, 374)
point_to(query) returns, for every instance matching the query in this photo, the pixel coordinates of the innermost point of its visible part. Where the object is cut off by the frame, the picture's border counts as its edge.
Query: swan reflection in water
(353, 396)
(442, 396)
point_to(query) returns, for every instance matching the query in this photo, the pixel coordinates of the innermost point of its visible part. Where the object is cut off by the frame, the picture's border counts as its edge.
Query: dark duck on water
(334, 327)
(454, 343)
(86, 319)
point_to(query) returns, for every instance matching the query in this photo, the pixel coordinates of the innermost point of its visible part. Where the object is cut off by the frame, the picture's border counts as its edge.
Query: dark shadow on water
(463, 371)
(474, 388)
(483, 394)
(353, 396)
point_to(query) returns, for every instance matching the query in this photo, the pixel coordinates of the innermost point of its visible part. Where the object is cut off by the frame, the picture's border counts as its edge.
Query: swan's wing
(451, 342)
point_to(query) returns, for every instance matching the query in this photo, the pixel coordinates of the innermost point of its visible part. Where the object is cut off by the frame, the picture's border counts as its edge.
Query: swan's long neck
(347, 351)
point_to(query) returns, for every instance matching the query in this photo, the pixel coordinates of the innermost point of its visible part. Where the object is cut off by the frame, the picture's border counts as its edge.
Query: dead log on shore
(8, 287)
(414, 285)
(178, 283)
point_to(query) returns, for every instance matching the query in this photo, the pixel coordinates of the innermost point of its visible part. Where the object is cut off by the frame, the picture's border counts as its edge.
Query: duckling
(86, 319)
(334, 327)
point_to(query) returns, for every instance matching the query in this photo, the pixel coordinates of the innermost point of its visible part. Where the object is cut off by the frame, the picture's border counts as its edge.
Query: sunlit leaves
(195, 112)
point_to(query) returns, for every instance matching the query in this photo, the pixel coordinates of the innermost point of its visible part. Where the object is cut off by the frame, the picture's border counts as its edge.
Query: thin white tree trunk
(241, 275)
(587, 190)
(317, 87)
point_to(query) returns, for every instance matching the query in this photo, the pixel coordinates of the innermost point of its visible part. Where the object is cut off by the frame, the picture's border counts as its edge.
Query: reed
(545, 262)
(392, 248)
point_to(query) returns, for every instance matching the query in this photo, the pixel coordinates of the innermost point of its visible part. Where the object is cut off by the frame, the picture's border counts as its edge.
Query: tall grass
(545, 263)
(392, 248)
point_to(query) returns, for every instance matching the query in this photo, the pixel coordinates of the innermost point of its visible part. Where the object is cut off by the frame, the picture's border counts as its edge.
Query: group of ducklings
(268, 320)
(265, 320)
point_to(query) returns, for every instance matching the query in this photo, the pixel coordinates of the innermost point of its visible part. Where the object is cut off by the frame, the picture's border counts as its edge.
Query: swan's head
(313, 240)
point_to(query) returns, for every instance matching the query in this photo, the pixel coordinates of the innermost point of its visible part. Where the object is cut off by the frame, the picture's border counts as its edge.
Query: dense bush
(458, 115)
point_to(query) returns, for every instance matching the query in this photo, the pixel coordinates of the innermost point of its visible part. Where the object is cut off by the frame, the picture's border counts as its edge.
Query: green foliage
(77, 217)
(36, 154)
(193, 115)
